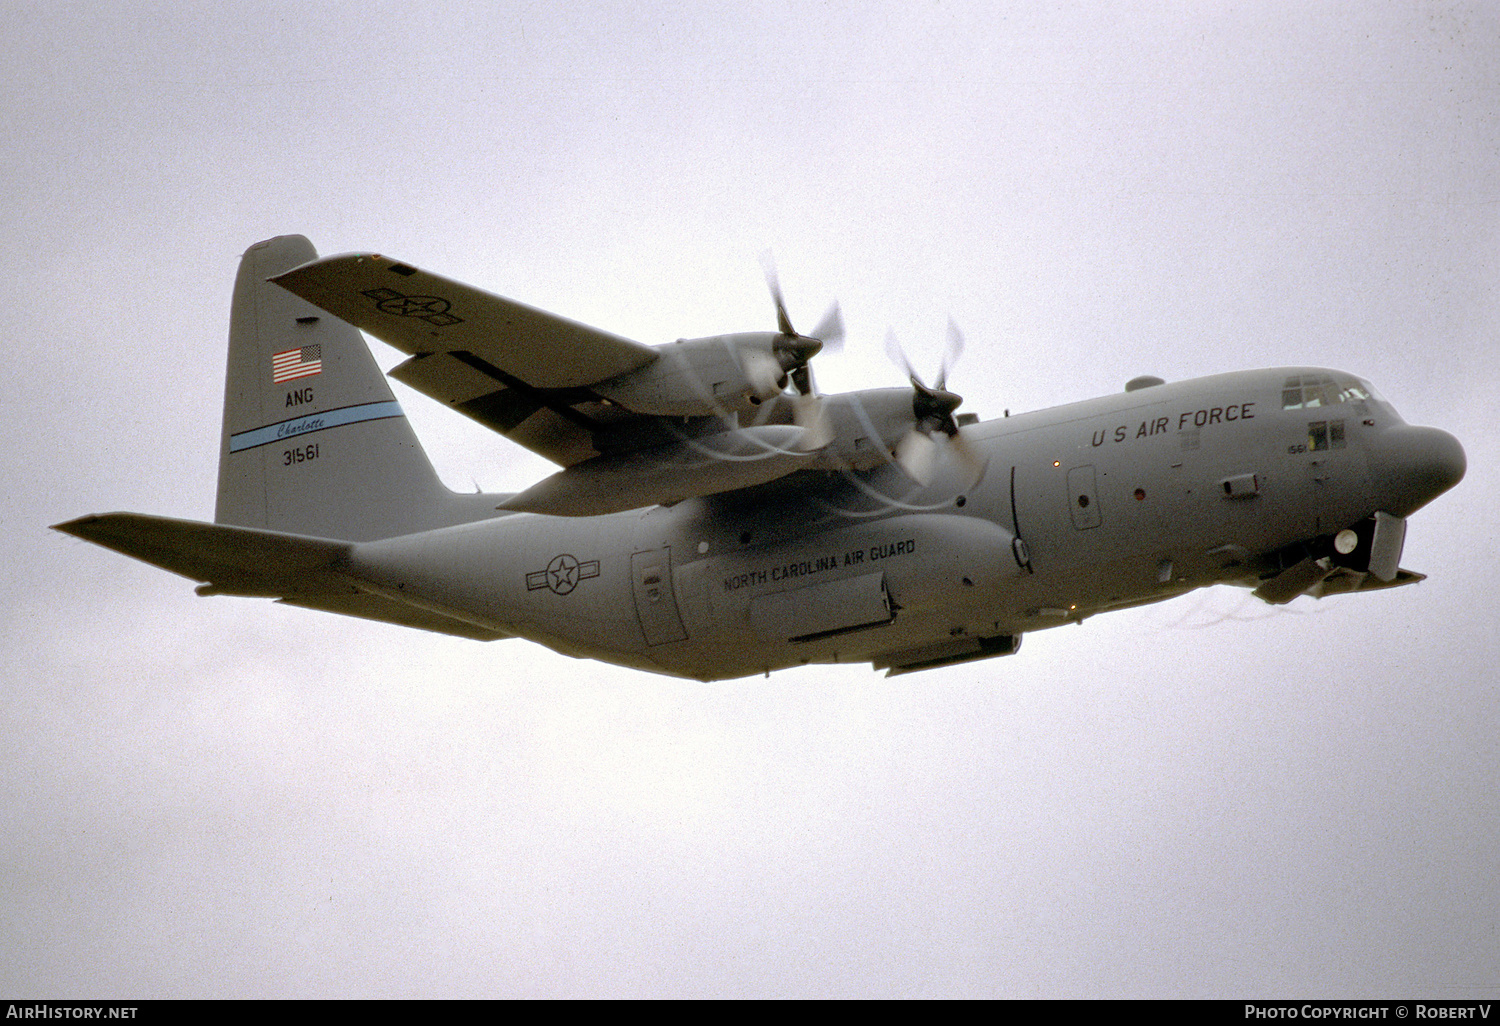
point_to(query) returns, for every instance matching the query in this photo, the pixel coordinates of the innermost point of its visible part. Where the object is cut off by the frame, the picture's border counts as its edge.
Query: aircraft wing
(553, 385)
(517, 370)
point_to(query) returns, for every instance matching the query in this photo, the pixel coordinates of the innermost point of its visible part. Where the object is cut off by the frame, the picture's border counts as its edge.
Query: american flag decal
(296, 363)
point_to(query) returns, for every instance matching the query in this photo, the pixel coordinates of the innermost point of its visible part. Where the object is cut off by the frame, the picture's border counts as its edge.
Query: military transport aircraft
(715, 516)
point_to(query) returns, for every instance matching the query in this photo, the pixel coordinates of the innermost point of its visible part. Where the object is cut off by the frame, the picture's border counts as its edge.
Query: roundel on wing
(414, 306)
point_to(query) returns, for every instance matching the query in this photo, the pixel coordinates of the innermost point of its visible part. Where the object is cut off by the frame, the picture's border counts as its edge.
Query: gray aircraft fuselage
(1112, 502)
(763, 525)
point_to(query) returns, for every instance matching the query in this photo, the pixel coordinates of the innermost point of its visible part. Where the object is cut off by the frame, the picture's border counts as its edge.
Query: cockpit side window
(1351, 391)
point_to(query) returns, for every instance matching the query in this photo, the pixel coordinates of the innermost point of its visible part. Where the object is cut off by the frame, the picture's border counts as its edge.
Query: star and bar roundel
(432, 309)
(562, 574)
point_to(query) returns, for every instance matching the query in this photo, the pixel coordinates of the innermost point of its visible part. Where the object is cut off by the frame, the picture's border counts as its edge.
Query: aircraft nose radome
(1420, 463)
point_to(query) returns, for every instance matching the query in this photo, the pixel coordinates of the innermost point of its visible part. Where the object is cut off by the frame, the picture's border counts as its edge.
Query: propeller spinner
(793, 351)
(933, 409)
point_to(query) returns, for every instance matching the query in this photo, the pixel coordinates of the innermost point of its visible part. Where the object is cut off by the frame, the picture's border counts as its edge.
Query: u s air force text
(1259, 1011)
(1191, 418)
(51, 1011)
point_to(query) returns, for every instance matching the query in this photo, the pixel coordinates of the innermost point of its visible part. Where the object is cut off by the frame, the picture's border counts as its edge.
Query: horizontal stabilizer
(294, 569)
(228, 560)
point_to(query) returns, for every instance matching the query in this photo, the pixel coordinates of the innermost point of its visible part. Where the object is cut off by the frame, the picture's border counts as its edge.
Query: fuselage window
(1325, 434)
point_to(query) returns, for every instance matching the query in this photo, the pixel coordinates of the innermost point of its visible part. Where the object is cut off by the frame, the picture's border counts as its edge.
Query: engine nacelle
(866, 427)
(703, 377)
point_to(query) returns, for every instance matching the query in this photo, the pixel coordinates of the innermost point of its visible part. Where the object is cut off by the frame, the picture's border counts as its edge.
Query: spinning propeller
(932, 412)
(792, 352)
(787, 362)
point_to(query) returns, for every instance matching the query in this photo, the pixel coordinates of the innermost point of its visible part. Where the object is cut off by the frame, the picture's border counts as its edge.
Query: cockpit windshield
(1309, 391)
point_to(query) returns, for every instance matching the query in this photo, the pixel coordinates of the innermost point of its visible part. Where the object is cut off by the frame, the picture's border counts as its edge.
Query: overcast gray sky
(221, 796)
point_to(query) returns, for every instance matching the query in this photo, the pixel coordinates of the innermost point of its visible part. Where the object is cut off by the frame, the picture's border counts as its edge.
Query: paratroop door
(655, 602)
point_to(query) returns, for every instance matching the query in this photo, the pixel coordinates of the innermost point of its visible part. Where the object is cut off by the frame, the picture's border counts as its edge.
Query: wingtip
(299, 268)
(76, 525)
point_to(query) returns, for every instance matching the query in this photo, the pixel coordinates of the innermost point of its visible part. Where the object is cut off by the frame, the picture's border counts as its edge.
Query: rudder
(314, 442)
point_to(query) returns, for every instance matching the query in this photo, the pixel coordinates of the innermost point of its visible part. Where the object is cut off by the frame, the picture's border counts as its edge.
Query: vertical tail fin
(314, 443)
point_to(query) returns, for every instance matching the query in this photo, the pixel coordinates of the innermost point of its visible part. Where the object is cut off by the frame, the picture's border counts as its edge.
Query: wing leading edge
(631, 425)
(517, 370)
